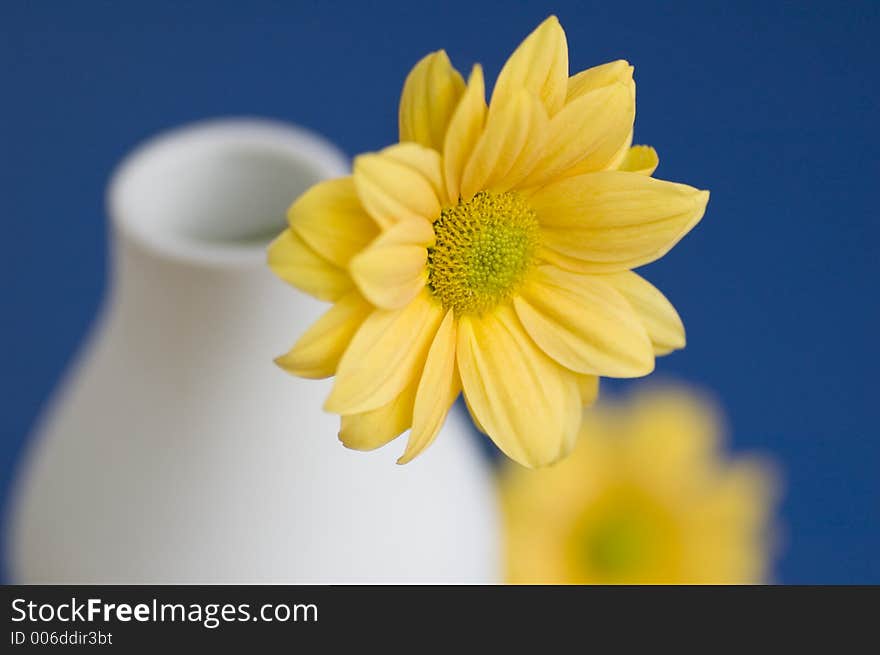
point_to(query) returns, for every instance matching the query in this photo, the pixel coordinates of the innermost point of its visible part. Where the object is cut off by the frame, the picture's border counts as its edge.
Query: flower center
(626, 536)
(482, 251)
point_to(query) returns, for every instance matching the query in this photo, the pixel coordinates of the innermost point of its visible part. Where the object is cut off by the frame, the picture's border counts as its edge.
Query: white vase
(177, 452)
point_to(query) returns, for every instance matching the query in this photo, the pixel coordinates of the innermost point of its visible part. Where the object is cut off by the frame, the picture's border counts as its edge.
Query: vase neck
(192, 213)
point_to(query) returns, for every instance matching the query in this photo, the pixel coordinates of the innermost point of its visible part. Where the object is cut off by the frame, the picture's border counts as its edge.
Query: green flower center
(483, 249)
(626, 537)
(619, 545)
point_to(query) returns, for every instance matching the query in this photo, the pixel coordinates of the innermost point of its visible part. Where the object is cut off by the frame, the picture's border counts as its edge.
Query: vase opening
(218, 191)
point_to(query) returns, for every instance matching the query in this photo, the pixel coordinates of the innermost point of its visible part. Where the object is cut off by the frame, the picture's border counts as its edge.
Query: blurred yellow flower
(646, 497)
(489, 251)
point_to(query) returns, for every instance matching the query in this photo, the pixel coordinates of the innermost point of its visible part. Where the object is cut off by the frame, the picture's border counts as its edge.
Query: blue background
(771, 106)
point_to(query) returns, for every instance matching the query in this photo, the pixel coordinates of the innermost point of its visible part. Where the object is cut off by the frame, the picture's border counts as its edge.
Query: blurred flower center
(483, 249)
(625, 536)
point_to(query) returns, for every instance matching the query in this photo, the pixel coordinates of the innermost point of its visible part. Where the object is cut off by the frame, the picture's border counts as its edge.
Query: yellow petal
(393, 190)
(424, 160)
(527, 403)
(616, 160)
(291, 259)
(566, 263)
(508, 148)
(656, 313)
(438, 387)
(539, 65)
(392, 271)
(471, 412)
(430, 95)
(612, 220)
(674, 433)
(331, 220)
(594, 78)
(640, 159)
(583, 323)
(385, 355)
(587, 132)
(589, 388)
(597, 77)
(464, 130)
(318, 351)
(375, 428)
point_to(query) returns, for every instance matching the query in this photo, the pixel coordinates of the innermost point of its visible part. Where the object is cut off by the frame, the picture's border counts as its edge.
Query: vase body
(175, 451)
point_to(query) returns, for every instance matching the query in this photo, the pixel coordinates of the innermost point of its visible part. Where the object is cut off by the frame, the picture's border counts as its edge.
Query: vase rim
(159, 170)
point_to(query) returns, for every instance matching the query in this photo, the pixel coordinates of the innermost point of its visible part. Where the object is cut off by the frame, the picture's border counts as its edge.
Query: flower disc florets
(483, 249)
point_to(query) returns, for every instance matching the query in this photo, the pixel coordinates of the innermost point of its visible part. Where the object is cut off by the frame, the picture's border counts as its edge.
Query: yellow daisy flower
(646, 497)
(489, 251)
